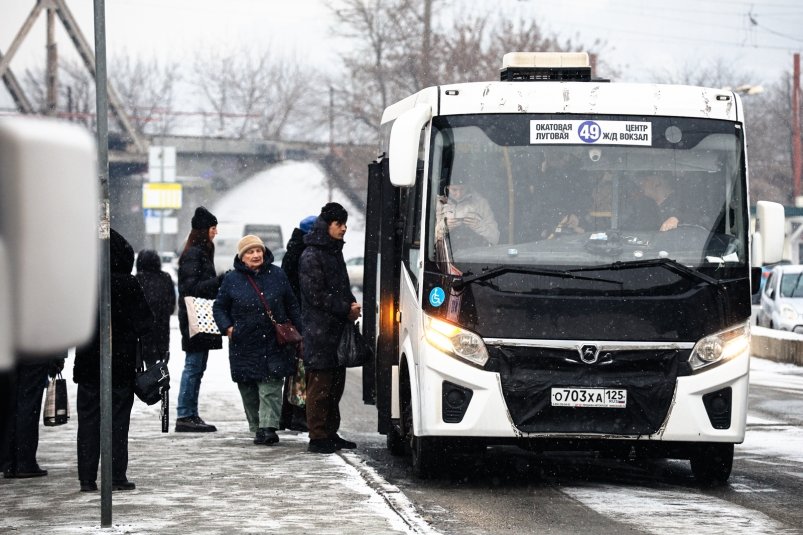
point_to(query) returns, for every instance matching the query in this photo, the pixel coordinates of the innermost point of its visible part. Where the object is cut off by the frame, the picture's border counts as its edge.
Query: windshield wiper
(461, 282)
(668, 263)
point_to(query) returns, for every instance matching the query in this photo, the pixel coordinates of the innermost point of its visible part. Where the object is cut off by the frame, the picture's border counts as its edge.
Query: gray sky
(643, 36)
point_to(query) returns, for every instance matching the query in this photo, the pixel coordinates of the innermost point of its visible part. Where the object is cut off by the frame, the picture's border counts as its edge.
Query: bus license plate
(589, 397)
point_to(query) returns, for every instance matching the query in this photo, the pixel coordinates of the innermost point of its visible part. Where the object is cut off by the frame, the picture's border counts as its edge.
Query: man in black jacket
(327, 306)
(20, 436)
(131, 318)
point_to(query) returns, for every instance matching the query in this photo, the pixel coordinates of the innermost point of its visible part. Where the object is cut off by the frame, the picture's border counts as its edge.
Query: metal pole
(102, 106)
(331, 136)
(331, 120)
(796, 150)
(51, 77)
(426, 48)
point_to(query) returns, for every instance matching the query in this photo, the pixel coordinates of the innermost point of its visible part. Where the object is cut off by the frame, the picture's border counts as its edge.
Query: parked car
(782, 299)
(765, 272)
(355, 268)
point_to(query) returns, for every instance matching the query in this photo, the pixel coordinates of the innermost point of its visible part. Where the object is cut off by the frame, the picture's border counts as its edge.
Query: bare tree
(217, 73)
(147, 90)
(252, 94)
(76, 91)
(767, 124)
(391, 59)
(769, 134)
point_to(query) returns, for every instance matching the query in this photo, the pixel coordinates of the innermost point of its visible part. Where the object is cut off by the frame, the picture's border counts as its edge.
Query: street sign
(154, 224)
(161, 164)
(161, 195)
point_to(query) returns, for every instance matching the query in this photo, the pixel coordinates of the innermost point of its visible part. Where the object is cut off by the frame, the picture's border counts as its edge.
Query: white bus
(562, 263)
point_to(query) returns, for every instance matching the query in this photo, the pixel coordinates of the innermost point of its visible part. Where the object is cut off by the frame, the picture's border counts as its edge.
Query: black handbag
(352, 350)
(152, 382)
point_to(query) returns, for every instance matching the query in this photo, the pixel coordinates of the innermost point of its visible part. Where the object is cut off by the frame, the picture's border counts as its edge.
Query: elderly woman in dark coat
(161, 295)
(258, 364)
(328, 306)
(197, 278)
(131, 318)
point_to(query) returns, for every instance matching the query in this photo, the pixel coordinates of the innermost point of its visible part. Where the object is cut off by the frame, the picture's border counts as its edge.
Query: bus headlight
(789, 314)
(720, 347)
(455, 341)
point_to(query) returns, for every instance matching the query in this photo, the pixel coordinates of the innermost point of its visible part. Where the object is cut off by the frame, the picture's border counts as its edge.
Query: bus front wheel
(711, 464)
(424, 456)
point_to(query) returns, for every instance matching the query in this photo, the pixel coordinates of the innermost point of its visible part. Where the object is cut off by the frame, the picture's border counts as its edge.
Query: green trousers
(262, 403)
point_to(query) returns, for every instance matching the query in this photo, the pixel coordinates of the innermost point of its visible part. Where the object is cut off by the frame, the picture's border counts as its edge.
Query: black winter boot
(321, 445)
(270, 436)
(266, 436)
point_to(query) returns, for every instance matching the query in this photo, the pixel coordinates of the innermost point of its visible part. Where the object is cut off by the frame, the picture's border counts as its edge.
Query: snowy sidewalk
(206, 482)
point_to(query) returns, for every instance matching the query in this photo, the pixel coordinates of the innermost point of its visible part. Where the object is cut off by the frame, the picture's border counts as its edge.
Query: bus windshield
(581, 191)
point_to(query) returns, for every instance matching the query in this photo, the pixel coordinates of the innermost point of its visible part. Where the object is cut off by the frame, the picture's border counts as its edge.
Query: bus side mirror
(405, 138)
(772, 228)
(48, 236)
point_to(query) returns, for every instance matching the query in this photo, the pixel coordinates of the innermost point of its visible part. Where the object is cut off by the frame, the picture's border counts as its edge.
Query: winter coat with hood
(161, 295)
(295, 246)
(325, 296)
(196, 277)
(253, 340)
(131, 318)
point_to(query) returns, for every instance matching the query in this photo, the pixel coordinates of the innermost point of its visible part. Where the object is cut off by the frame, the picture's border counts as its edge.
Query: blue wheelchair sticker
(437, 296)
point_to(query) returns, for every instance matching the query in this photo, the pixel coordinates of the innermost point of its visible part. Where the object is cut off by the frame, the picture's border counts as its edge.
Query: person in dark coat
(131, 318)
(292, 255)
(254, 354)
(196, 277)
(21, 436)
(161, 295)
(327, 306)
(294, 417)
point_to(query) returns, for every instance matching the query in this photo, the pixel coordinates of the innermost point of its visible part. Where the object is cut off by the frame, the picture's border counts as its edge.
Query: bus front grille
(528, 375)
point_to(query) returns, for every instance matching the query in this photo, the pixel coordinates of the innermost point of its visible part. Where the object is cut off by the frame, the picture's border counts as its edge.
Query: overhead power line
(754, 22)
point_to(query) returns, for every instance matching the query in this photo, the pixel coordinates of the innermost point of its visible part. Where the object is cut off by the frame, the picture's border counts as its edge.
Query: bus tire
(711, 464)
(395, 441)
(424, 457)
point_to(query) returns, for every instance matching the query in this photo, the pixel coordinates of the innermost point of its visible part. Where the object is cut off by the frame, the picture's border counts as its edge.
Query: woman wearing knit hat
(196, 277)
(249, 293)
(328, 306)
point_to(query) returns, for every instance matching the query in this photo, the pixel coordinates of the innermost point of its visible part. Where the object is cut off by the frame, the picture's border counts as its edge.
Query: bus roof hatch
(546, 67)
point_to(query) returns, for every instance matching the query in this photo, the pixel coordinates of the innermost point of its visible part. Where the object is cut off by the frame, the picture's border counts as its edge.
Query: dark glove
(56, 365)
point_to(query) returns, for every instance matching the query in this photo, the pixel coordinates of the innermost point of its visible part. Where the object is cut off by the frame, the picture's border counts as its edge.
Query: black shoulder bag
(153, 384)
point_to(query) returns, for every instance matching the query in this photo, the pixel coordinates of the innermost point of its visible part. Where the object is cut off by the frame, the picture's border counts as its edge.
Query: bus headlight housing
(455, 341)
(720, 347)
